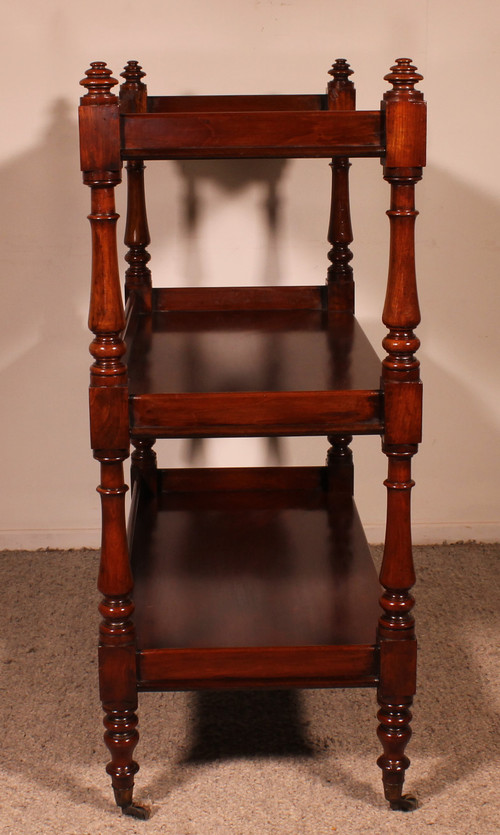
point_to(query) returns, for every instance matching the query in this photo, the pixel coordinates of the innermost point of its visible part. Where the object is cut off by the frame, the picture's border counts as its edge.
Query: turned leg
(394, 733)
(402, 432)
(117, 651)
(121, 737)
(396, 633)
(109, 419)
(119, 700)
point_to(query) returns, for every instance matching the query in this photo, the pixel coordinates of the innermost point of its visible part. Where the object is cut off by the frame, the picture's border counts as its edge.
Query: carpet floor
(257, 763)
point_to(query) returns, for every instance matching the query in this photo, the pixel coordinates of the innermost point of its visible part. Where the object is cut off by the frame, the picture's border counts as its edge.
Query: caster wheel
(405, 803)
(135, 811)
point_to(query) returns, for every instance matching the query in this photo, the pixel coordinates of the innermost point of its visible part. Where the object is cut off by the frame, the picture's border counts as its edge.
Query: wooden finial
(403, 77)
(132, 72)
(340, 70)
(341, 92)
(98, 83)
(133, 92)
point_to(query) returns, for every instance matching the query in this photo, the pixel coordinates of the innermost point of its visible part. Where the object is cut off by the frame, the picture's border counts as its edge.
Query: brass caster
(405, 803)
(135, 811)
(124, 800)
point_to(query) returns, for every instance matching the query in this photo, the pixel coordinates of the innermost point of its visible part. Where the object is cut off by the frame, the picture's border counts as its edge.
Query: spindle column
(405, 125)
(101, 166)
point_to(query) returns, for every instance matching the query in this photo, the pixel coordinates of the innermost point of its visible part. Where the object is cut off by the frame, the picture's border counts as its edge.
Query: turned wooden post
(341, 96)
(133, 99)
(405, 130)
(138, 284)
(101, 166)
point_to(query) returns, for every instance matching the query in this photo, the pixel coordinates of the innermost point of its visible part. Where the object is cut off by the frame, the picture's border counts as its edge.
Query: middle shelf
(250, 361)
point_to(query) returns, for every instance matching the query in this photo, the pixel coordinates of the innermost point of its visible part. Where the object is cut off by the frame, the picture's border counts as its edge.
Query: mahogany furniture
(251, 577)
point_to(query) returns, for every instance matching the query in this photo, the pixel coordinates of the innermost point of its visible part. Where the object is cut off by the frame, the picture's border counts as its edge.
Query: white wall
(221, 46)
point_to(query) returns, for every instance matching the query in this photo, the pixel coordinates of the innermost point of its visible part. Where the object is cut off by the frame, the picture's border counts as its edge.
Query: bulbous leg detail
(121, 737)
(394, 733)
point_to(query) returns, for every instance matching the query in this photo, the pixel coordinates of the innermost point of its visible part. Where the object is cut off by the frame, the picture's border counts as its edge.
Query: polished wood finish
(251, 135)
(405, 115)
(235, 104)
(176, 392)
(109, 432)
(213, 544)
(341, 96)
(251, 577)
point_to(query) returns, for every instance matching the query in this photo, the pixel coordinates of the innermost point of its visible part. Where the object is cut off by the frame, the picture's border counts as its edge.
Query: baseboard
(34, 540)
(436, 533)
(423, 534)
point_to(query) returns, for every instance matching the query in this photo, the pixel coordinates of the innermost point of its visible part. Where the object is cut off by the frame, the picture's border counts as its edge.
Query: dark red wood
(252, 415)
(251, 135)
(206, 299)
(101, 166)
(341, 96)
(305, 344)
(176, 391)
(340, 666)
(133, 91)
(265, 556)
(405, 115)
(340, 283)
(235, 104)
(405, 154)
(133, 99)
(248, 577)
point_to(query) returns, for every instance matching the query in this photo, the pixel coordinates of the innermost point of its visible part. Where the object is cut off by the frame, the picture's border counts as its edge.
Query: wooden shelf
(240, 560)
(243, 361)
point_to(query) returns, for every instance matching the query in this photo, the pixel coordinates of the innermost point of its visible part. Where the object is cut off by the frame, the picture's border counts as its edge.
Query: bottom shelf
(256, 576)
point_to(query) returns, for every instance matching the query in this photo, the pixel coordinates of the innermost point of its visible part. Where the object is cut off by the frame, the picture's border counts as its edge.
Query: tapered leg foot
(394, 733)
(121, 737)
(124, 799)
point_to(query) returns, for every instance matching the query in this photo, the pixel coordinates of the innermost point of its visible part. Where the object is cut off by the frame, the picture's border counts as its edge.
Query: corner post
(341, 95)
(404, 110)
(133, 99)
(101, 166)
(138, 285)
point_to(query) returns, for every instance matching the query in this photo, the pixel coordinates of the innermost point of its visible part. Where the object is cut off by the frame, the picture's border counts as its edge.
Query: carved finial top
(133, 91)
(341, 93)
(98, 83)
(340, 70)
(403, 75)
(132, 72)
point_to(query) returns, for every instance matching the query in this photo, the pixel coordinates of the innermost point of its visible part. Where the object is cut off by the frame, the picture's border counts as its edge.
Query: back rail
(236, 103)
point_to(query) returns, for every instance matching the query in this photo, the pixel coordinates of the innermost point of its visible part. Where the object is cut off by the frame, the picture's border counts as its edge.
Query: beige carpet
(256, 763)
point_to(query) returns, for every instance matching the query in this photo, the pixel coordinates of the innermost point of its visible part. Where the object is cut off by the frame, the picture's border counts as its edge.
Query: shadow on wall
(43, 366)
(47, 267)
(43, 241)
